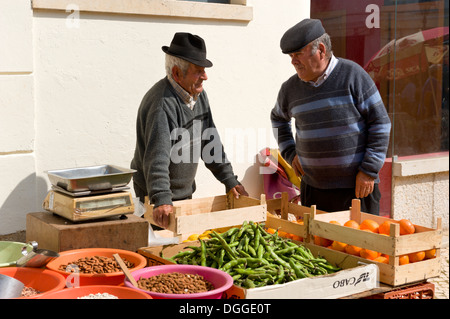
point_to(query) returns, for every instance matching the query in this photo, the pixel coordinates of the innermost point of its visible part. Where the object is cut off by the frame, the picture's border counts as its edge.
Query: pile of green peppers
(254, 257)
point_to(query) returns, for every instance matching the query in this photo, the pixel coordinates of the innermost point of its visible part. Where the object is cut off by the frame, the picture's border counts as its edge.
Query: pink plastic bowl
(220, 280)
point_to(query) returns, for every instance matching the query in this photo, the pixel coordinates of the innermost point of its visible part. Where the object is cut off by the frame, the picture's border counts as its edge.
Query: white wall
(17, 115)
(76, 103)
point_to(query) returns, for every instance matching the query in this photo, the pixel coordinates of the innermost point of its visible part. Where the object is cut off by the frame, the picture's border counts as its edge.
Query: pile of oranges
(406, 227)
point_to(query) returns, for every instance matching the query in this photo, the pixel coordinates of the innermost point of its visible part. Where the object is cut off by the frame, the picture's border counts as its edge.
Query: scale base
(92, 207)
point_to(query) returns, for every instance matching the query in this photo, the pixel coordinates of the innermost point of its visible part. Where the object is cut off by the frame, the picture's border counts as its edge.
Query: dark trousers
(338, 199)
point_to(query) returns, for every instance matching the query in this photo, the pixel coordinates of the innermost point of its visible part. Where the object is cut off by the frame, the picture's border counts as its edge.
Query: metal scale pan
(91, 178)
(87, 193)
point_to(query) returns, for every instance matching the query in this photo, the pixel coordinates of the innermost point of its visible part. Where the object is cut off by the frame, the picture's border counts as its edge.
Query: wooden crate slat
(230, 217)
(200, 214)
(286, 226)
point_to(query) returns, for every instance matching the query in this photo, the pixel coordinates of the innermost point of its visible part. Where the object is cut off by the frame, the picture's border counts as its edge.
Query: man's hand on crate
(239, 190)
(161, 215)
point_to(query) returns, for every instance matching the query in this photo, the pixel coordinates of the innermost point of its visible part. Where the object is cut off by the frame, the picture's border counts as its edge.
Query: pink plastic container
(220, 280)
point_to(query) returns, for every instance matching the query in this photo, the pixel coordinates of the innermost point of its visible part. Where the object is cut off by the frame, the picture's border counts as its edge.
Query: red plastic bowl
(43, 280)
(220, 280)
(115, 278)
(118, 291)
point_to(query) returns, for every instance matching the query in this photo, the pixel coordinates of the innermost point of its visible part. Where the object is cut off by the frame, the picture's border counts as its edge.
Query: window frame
(237, 10)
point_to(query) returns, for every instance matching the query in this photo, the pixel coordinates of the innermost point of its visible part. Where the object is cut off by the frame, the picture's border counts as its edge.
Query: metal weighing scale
(89, 193)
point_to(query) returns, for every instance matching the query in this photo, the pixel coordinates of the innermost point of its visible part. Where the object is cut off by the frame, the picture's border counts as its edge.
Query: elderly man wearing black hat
(175, 128)
(341, 125)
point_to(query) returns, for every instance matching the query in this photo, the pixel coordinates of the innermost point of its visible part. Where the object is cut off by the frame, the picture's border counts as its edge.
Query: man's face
(192, 81)
(308, 66)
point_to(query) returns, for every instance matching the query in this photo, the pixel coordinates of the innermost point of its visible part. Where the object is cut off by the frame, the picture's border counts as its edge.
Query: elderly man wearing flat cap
(341, 125)
(175, 128)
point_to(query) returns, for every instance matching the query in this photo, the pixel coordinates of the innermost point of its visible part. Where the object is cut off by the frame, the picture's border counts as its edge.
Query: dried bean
(175, 283)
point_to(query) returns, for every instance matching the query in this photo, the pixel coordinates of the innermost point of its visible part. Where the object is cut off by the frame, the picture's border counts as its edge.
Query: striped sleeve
(282, 129)
(371, 106)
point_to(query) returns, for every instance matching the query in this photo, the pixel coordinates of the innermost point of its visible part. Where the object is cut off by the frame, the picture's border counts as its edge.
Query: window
(404, 46)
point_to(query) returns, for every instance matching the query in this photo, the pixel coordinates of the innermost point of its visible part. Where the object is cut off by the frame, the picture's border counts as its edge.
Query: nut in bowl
(86, 272)
(215, 281)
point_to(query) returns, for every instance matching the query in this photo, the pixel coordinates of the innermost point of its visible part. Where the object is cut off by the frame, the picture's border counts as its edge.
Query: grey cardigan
(170, 140)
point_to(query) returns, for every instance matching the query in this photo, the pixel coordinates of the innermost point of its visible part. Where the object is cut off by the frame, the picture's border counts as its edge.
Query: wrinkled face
(192, 81)
(308, 66)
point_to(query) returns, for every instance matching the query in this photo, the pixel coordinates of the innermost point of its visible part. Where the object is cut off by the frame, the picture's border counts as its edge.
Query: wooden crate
(197, 215)
(394, 245)
(286, 208)
(318, 287)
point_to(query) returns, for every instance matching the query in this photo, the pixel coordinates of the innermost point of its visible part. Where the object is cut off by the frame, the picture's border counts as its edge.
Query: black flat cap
(300, 35)
(188, 47)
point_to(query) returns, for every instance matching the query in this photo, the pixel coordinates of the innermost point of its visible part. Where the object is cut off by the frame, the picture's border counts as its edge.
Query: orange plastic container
(118, 291)
(115, 278)
(43, 280)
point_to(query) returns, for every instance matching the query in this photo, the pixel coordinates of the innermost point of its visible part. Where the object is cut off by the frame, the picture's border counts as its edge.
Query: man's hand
(161, 215)
(364, 185)
(239, 190)
(297, 167)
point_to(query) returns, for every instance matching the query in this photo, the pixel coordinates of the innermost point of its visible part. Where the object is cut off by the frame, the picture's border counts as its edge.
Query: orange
(300, 222)
(369, 254)
(382, 259)
(417, 256)
(353, 250)
(322, 241)
(406, 227)
(271, 230)
(283, 234)
(335, 222)
(385, 227)
(337, 245)
(403, 260)
(352, 224)
(369, 224)
(430, 253)
(296, 237)
(317, 240)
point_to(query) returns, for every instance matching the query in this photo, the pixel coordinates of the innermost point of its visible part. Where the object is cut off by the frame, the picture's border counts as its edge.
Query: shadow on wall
(22, 200)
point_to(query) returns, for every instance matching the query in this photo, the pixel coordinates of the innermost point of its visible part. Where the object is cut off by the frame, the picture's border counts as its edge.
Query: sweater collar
(182, 93)
(326, 74)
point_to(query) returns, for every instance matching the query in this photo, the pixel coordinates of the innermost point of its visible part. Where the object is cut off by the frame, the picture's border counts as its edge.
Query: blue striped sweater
(341, 126)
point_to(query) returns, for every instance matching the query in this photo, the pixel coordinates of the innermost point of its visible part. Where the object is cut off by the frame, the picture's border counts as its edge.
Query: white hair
(325, 39)
(172, 61)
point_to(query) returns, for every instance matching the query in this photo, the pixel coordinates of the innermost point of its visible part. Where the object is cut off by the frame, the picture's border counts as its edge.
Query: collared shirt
(326, 74)
(183, 94)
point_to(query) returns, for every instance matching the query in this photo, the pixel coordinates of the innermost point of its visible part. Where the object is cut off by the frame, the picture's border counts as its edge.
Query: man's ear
(176, 73)
(322, 50)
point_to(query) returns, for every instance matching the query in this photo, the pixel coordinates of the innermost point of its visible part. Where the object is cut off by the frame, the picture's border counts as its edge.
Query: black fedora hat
(188, 47)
